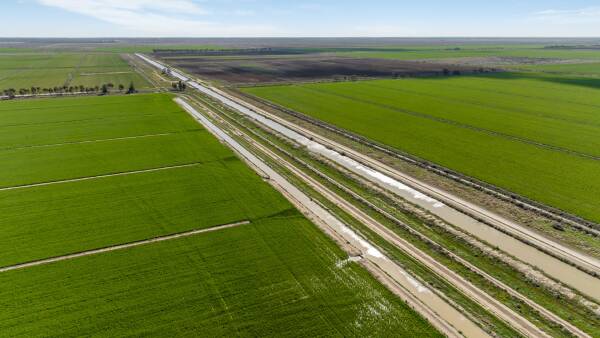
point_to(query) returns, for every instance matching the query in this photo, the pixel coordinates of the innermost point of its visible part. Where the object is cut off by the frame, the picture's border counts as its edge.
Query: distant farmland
(418, 52)
(586, 69)
(49, 70)
(300, 67)
(87, 173)
(513, 131)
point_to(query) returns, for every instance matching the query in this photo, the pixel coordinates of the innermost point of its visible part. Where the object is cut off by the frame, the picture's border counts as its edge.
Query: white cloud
(156, 17)
(243, 12)
(570, 16)
(94, 7)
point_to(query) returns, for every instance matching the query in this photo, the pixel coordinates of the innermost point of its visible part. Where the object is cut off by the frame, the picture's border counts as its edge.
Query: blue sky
(222, 18)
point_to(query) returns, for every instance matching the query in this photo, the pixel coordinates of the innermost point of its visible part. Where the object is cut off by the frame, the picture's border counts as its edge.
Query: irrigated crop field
(577, 69)
(513, 131)
(87, 173)
(49, 70)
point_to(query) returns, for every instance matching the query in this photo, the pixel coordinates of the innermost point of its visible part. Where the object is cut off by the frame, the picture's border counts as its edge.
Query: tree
(179, 86)
(131, 89)
(104, 89)
(121, 87)
(10, 92)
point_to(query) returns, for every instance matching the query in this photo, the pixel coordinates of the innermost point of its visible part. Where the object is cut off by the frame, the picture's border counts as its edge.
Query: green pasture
(43, 122)
(277, 276)
(577, 69)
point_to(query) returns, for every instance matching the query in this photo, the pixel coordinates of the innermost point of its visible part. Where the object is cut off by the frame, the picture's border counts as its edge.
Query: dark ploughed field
(271, 69)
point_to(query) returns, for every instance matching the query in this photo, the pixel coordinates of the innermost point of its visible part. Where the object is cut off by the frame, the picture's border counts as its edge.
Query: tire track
(89, 178)
(88, 141)
(121, 246)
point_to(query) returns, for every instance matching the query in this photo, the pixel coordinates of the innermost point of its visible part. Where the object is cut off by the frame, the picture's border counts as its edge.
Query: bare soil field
(273, 69)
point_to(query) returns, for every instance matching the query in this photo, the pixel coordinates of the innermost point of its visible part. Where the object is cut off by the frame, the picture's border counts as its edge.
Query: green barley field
(86, 173)
(588, 69)
(46, 69)
(511, 130)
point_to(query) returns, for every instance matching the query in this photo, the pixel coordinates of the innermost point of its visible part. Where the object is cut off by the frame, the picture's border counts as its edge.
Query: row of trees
(103, 89)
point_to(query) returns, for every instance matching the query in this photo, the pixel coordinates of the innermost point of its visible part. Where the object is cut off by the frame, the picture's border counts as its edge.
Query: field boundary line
(98, 118)
(122, 246)
(495, 106)
(87, 141)
(88, 178)
(458, 124)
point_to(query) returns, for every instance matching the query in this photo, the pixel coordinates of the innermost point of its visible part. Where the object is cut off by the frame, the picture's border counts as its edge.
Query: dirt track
(120, 247)
(25, 186)
(86, 141)
(445, 317)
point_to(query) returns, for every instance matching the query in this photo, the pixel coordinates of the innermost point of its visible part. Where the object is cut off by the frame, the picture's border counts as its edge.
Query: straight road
(88, 178)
